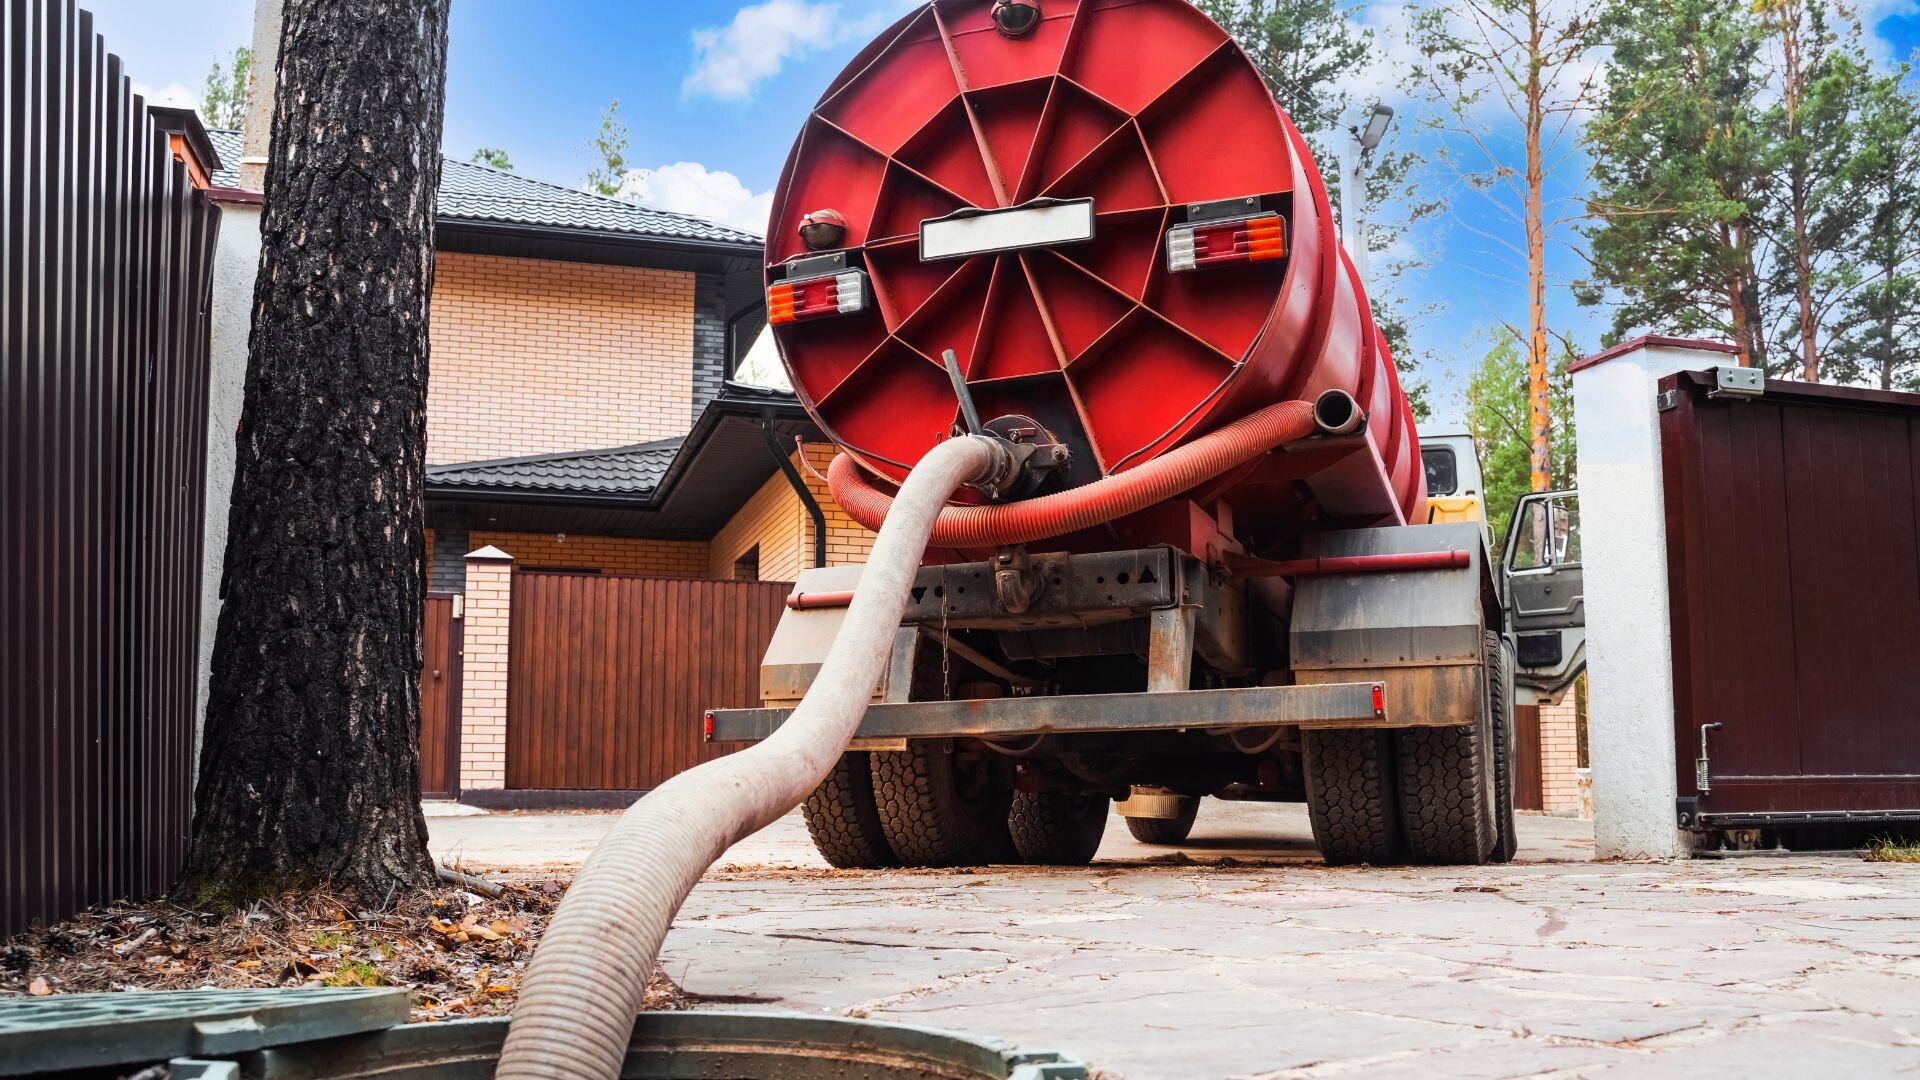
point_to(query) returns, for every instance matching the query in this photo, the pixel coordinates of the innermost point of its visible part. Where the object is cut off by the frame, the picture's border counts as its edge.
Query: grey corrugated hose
(582, 991)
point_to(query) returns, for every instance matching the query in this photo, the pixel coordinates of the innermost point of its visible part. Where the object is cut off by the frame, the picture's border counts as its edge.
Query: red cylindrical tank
(1152, 112)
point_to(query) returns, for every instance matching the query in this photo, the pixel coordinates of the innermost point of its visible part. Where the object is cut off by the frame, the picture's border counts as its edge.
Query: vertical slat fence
(105, 279)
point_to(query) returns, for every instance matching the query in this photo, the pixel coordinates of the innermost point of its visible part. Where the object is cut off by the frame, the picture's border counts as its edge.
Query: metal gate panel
(1794, 569)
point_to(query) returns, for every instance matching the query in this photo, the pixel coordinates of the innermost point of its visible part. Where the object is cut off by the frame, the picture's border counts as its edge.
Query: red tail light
(1243, 240)
(1379, 703)
(836, 294)
(707, 726)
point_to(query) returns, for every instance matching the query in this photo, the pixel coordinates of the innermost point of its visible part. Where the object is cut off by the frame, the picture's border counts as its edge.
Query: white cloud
(688, 187)
(730, 62)
(172, 95)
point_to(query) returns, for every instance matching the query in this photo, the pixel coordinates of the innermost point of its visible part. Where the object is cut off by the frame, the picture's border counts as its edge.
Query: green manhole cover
(78, 1031)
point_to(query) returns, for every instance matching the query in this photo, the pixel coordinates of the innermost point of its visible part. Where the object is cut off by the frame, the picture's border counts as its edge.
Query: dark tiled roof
(620, 471)
(478, 193)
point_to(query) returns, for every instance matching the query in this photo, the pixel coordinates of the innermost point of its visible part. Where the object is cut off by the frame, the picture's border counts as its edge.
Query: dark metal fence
(105, 273)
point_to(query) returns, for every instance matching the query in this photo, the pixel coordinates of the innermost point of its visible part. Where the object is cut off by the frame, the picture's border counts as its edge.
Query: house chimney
(257, 132)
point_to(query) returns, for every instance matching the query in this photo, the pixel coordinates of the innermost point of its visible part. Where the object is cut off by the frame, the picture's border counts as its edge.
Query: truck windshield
(1443, 473)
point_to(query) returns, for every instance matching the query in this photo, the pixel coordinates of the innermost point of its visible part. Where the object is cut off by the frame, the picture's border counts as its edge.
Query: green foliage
(356, 973)
(1497, 418)
(224, 103)
(610, 144)
(1682, 164)
(328, 940)
(1304, 49)
(1753, 181)
(1889, 849)
(1815, 213)
(492, 156)
(1883, 348)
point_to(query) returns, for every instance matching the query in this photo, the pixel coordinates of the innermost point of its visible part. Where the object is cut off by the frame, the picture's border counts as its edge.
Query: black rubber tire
(843, 820)
(1173, 830)
(930, 818)
(1055, 828)
(1447, 789)
(1351, 801)
(1500, 703)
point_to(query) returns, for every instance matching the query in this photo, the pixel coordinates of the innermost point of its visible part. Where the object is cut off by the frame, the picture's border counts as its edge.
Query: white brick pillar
(1630, 739)
(483, 670)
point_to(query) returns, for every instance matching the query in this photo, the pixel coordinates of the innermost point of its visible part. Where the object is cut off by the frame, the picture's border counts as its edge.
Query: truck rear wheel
(1351, 800)
(1173, 830)
(1501, 650)
(844, 821)
(939, 807)
(1450, 779)
(1056, 828)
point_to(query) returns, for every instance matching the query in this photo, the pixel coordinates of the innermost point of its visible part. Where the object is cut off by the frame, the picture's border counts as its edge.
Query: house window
(747, 566)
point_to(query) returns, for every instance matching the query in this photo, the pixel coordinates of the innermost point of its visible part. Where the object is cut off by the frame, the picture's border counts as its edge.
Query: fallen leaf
(499, 988)
(38, 987)
(247, 965)
(475, 928)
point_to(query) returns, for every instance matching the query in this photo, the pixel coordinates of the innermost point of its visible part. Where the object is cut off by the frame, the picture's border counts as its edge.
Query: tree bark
(1539, 421)
(310, 771)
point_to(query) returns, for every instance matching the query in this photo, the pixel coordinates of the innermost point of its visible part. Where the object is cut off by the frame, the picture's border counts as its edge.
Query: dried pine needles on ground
(458, 952)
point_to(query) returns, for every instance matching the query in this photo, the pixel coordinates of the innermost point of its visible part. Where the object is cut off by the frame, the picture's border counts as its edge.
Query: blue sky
(721, 87)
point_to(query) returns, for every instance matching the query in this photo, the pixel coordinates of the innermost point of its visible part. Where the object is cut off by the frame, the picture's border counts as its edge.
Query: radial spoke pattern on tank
(1122, 356)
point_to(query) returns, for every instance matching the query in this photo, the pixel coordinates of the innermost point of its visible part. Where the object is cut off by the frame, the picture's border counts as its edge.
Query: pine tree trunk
(1539, 422)
(310, 769)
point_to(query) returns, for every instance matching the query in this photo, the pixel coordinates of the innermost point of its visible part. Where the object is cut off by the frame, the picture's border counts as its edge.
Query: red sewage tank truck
(1085, 229)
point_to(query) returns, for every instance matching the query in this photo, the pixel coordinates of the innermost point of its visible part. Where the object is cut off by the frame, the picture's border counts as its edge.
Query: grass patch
(356, 973)
(328, 940)
(1903, 851)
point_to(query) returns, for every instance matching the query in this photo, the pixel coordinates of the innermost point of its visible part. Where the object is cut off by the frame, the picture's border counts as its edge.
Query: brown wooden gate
(1793, 560)
(440, 699)
(1529, 791)
(608, 677)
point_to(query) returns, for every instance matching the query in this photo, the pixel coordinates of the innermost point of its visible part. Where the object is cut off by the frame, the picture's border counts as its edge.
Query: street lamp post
(1353, 190)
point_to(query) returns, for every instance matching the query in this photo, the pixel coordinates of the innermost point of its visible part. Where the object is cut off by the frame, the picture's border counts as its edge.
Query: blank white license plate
(1007, 230)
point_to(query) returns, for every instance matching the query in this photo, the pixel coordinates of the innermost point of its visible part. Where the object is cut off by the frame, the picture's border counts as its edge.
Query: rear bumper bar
(1325, 705)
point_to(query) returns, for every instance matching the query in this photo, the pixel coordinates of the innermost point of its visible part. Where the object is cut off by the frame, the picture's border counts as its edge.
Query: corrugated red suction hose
(1092, 504)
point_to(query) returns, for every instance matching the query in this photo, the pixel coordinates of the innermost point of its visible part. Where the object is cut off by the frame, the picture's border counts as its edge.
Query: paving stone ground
(1238, 955)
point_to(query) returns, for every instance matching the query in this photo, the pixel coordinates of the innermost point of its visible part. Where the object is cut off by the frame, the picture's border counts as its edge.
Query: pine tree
(1882, 346)
(1815, 212)
(1682, 167)
(1523, 61)
(310, 769)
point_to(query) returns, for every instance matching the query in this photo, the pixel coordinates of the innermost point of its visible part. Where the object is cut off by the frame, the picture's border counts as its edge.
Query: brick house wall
(533, 356)
(775, 522)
